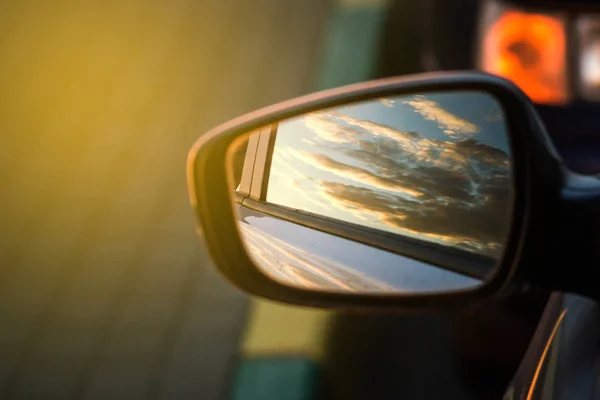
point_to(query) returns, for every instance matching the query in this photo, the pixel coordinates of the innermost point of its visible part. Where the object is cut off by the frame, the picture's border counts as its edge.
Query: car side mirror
(413, 191)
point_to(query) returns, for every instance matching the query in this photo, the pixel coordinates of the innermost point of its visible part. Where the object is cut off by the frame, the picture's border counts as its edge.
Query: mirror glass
(402, 194)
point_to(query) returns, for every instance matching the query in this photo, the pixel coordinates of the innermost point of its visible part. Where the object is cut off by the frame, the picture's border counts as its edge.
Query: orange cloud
(327, 129)
(435, 152)
(355, 174)
(452, 125)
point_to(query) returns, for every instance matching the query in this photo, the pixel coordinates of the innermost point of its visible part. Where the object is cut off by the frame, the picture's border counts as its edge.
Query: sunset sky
(429, 166)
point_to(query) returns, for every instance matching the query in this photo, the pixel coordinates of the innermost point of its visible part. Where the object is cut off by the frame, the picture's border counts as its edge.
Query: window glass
(435, 167)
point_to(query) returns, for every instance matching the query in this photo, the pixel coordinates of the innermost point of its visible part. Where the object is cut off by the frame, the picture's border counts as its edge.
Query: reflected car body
(308, 258)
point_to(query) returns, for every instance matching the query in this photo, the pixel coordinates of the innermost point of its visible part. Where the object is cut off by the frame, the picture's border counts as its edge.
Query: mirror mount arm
(572, 246)
(582, 208)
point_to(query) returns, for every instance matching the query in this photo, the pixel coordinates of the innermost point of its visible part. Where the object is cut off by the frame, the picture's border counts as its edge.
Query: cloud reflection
(354, 173)
(447, 188)
(454, 126)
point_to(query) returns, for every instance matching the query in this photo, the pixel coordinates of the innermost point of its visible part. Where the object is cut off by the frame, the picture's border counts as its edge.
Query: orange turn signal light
(530, 50)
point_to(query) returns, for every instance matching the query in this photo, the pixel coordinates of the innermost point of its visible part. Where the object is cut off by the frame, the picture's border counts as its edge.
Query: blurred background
(106, 291)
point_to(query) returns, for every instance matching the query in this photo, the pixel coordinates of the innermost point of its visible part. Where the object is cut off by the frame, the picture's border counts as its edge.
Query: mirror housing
(534, 160)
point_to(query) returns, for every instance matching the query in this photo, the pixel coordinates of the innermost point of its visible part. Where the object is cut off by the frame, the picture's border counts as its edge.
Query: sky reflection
(433, 166)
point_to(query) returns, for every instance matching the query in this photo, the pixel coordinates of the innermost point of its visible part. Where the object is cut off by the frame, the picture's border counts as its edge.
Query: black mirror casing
(538, 179)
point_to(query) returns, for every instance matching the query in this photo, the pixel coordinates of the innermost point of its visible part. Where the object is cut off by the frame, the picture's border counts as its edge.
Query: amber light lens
(530, 50)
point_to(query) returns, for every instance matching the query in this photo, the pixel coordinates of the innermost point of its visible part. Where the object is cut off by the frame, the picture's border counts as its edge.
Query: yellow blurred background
(105, 291)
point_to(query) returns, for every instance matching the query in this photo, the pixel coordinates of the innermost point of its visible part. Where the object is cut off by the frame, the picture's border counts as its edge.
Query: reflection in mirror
(404, 194)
